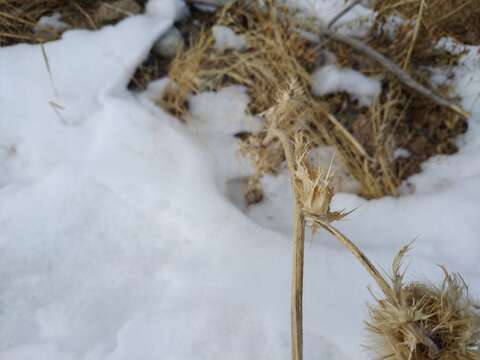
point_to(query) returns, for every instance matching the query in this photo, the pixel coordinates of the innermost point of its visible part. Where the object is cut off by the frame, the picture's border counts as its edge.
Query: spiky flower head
(313, 186)
(418, 321)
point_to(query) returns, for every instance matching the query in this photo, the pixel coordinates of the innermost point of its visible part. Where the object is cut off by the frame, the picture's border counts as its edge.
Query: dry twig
(389, 65)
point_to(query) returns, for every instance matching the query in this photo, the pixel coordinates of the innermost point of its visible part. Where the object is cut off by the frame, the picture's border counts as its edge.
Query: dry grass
(459, 19)
(270, 40)
(276, 53)
(18, 18)
(400, 117)
(191, 72)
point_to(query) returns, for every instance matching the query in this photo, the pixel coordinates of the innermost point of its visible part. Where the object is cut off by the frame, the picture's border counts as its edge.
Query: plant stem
(297, 284)
(298, 254)
(361, 257)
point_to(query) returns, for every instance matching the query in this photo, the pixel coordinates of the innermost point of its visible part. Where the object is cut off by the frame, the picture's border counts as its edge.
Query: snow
(401, 153)
(51, 22)
(118, 238)
(330, 79)
(227, 39)
(355, 22)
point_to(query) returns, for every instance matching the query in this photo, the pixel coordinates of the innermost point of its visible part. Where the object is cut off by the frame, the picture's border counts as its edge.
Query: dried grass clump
(275, 53)
(18, 18)
(399, 118)
(459, 19)
(419, 322)
(190, 72)
(367, 143)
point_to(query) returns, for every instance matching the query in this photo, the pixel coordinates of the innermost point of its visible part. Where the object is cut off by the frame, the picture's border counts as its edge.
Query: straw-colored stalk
(311, 195)
(412, 322)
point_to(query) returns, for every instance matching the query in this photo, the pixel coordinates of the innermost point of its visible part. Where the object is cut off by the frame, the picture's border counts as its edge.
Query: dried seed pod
(313, 186)
(419, 321)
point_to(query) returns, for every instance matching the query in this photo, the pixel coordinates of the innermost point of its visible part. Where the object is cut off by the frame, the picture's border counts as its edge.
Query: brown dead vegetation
(459, 19)
(276, 52)
(18, 18)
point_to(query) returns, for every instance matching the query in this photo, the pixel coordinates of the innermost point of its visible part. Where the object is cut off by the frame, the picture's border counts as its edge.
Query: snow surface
(227, 39)
(118, 238)
(355, 22)
(53, 21)
(330, 79)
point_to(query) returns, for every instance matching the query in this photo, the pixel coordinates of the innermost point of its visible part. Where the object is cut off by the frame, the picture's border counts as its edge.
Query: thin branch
(342, 13)
(87, 16)
(362, 258)
(389, 65)
(344, 131)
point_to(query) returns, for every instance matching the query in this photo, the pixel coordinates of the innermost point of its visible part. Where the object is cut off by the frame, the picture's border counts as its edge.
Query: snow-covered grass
(119, 238)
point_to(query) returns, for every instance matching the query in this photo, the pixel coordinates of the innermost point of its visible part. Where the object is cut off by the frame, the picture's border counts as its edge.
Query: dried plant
(413, 321)
(188, 73)
(311, 188)
(276, 52)
(419, 321)
(273, 54)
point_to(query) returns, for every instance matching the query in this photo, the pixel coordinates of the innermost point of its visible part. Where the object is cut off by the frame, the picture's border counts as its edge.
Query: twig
(298, 254)
(362, 258)
(342, 13)
(87, 16)
(389, 65)
(344, 131)
(49, 69)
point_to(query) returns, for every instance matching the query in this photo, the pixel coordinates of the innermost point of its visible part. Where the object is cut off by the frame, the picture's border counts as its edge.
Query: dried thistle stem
(298, 254)
(420, 335)
(361, 257)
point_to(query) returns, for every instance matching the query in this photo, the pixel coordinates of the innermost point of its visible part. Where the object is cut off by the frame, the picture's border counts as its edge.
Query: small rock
(169, 43)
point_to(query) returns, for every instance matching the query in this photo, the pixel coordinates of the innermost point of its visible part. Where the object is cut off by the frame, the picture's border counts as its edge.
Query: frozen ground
(119, 239)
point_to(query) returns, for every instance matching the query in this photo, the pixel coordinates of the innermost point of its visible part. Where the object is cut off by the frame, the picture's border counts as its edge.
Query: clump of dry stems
(274, 52)
(365, 138)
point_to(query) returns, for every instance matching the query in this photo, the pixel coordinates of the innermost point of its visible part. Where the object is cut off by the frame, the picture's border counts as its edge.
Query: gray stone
(169, 43)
